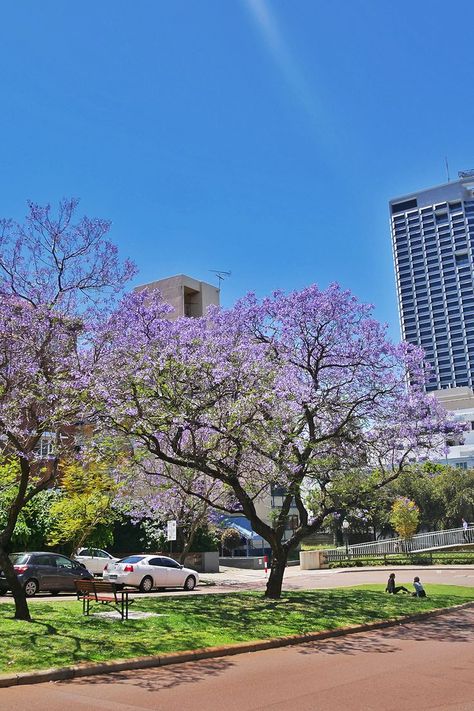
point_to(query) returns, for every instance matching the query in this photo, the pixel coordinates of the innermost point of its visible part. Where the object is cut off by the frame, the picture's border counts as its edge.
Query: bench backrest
(95, 587)
(101, 586)
(84, 585)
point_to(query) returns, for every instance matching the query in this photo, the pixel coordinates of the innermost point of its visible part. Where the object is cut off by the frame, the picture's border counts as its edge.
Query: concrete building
(460, 402)
(188, 296)
(433, 247)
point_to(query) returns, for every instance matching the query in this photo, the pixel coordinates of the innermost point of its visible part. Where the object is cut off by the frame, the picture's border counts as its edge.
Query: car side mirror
(81, 565)
(181, 566)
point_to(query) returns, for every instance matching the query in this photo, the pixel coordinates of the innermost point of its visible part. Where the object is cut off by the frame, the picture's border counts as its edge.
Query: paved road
(413, 667)
(233, 579)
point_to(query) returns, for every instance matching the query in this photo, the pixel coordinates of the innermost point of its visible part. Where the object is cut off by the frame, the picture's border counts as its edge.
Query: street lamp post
(345, 534)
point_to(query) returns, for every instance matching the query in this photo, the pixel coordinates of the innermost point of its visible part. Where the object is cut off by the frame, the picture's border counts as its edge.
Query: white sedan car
(94, 559)
(146, 572)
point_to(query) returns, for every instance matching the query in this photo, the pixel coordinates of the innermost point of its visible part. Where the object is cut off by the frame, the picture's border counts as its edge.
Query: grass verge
(460, 558)
(60, 636)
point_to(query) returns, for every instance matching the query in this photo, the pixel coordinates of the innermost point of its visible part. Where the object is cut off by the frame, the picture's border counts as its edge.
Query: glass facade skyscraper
(433, 248)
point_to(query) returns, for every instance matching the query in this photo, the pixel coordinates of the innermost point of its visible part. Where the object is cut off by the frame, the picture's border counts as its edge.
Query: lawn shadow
(159, 678)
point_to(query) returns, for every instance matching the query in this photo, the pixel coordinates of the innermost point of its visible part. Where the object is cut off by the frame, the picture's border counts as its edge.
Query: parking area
(234, 579)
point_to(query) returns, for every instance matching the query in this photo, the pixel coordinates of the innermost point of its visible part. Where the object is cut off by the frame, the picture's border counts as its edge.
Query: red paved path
(428, 665)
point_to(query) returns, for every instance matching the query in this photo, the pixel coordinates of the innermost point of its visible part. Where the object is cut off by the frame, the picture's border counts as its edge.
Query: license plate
(113, 576)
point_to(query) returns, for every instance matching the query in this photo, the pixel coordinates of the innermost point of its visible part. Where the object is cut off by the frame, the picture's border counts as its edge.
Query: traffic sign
(171, 530)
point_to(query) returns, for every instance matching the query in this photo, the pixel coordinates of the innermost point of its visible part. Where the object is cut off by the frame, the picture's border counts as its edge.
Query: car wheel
(146, 584)
(3, 591)
(190, 583)
(31, 587)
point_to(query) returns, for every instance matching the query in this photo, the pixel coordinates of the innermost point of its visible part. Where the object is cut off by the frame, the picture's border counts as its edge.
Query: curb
(80, 670)
(367, 569)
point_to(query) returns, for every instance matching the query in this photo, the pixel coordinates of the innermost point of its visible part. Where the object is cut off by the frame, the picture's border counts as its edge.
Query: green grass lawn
(60, 636)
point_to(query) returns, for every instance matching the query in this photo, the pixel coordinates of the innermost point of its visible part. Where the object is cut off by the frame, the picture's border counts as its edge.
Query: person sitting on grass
(392, 588)
(419, 589)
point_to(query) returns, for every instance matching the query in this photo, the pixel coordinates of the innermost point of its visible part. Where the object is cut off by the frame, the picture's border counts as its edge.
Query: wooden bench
(98, 591)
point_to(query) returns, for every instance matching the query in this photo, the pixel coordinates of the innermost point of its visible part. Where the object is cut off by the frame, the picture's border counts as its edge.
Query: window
(45, 447)
(62, 562)
(158, 562)
(170, 563)
(292, 523)
(43, 559)
(404, 206)
(98, 553)
(461, 465)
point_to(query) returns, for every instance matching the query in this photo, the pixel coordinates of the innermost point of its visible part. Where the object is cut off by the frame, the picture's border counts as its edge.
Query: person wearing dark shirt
(392, 588)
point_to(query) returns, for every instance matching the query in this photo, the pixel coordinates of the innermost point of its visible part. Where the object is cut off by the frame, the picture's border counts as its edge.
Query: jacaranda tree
(58, 278)
(189, 498)
(294, 390)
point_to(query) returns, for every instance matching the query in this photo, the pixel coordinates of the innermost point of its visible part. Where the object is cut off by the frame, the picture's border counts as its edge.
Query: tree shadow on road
(450, 627)
(158, 678)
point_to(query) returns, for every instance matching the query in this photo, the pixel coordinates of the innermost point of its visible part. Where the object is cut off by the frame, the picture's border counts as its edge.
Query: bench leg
(124, 606)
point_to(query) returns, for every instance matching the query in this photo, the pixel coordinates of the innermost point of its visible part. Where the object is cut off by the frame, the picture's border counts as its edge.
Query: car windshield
(19, 558)
(132, 559)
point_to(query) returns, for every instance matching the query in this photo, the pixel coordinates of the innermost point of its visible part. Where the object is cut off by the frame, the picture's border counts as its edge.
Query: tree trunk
(277, 571)
(21, 606)
(187, 543)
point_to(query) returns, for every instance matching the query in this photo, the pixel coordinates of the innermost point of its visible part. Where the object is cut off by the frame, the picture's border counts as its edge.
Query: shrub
(231, 539)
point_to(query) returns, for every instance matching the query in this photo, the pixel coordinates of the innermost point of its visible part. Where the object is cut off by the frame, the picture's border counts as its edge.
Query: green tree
(405, 517)
(455, 489)
(85, 506)
(33, 522)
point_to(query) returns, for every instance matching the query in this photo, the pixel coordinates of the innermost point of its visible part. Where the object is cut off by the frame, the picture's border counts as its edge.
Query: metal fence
(419, 543)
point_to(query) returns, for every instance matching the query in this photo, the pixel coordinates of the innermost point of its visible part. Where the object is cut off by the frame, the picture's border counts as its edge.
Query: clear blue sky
(260, 137)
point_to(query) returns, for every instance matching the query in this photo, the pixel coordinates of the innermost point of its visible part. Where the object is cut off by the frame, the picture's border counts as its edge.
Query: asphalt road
(417, 666)
(230, 580)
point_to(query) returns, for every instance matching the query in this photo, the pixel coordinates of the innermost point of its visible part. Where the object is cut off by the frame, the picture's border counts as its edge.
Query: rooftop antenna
(221, 275)
(447, 167)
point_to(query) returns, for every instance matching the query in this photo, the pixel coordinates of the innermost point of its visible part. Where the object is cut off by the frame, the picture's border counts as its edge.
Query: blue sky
(263, 137)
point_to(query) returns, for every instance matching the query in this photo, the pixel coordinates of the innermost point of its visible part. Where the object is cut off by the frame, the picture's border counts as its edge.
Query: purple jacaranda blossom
(290, 391)
(59, 280)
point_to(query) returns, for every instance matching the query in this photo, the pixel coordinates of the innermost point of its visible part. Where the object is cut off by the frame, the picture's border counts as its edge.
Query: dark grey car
(45, 571)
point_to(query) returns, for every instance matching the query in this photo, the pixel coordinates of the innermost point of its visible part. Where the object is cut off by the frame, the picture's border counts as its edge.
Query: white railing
(391, 546)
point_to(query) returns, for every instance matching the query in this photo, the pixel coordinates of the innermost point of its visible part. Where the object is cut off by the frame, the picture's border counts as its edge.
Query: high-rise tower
(433, 248)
